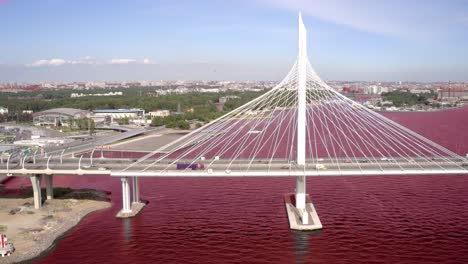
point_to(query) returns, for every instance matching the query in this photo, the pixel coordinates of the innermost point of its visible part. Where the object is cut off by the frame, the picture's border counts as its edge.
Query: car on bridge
(193, 166)
(320, 167)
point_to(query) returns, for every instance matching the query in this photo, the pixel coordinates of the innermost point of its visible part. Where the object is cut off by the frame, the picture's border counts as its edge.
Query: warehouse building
(119, 113)
(59, 116)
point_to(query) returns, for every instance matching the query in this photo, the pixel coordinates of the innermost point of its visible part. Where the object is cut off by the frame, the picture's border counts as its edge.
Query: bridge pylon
(300, 218)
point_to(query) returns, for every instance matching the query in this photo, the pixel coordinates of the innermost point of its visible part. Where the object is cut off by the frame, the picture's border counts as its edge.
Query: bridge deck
(148, 168)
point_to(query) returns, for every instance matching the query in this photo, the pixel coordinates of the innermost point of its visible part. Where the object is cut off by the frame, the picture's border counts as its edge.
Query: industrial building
(159, 113)
(119, 113)
(453, 94)
(59, 116)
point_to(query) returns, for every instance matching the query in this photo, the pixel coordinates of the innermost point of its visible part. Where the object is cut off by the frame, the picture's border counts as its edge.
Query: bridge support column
(301, 211)
(301, 198)
(49, 186)
(125, 196)
(300, 192)
(36, 186)
(129, 208)
(136, 190)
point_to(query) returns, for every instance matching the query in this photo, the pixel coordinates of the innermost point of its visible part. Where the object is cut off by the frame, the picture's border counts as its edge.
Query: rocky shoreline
(35, 232)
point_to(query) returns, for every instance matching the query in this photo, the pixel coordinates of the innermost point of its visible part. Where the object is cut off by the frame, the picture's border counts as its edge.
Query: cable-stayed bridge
(302, 127)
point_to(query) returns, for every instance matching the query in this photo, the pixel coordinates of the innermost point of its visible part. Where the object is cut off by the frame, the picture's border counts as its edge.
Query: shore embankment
(34, 232)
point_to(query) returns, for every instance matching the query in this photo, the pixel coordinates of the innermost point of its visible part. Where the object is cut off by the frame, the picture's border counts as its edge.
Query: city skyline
(242, 40)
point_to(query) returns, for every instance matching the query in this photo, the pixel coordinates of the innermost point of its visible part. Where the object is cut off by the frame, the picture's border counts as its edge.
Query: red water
(399, 219)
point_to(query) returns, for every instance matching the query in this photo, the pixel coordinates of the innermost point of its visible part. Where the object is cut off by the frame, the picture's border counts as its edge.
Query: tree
(84, 124)
(404, 98)
(92, 126)
(202, 103)
(182, 124)
(157, 121)
(124, 121)
(24, 117)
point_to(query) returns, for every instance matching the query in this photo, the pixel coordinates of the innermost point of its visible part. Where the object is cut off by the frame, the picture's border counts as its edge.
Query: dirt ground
(33, 231)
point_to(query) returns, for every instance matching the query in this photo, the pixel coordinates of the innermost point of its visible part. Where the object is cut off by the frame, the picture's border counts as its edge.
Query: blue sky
(68, 40)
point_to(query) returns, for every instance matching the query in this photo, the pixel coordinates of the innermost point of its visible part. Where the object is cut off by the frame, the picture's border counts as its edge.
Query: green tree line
(404, 98)
(175, 121)
(132, 98)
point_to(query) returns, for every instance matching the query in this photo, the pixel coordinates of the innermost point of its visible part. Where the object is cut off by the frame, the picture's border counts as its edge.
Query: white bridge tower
(301, 120)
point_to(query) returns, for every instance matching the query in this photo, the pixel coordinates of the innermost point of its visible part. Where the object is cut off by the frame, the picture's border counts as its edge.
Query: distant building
(59, 116)
(420, 91)
(219, 106)
(452, 94)
(119, 113)
(352, 90)
(27, 111)
(75, 95)
(224, 99)
(3, 110)
(159, 113)
(208, 90)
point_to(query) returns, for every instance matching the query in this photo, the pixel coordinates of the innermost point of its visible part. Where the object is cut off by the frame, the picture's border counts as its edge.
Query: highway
(78, 147)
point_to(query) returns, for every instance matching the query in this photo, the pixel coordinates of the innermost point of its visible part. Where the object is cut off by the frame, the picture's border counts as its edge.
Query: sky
(349, 40)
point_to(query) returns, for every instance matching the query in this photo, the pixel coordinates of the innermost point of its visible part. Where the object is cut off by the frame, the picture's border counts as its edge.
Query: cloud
(131, 61)
(147, 61)
(51, 62)
(59, 62)
(394, 18)
(122, 61)
(88, 60)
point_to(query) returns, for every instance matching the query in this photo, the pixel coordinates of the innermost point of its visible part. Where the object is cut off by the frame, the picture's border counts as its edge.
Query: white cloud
(131, 61)
(122, 61)
(86, 60)
(147, 61)
(395, 18)
(51, 62)
(59, 62)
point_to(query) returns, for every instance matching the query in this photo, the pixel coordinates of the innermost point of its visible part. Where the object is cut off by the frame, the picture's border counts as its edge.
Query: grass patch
(3, 228)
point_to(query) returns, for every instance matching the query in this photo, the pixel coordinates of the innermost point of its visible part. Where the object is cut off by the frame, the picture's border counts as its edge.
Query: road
(79, 146)
(225, 168)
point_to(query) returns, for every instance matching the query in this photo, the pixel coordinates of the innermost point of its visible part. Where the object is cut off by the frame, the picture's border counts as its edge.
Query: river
(392, 219)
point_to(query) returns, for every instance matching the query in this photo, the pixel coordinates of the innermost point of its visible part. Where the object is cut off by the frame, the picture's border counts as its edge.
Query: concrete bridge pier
(130, 208)
(36, 180)
(36, 186)
(49, 186)
(125, 196)
(301, 212)
(136, 190)
(301, 198)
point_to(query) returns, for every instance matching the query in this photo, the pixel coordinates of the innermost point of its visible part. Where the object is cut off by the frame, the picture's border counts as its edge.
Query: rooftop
(117, 110)
(64, 111)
